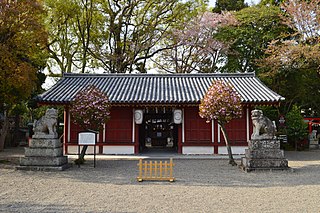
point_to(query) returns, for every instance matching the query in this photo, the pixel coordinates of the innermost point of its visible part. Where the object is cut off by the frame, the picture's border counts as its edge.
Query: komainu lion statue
(263, 127)
(47, 125)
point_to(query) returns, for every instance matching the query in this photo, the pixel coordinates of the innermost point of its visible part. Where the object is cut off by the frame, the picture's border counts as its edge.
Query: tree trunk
(231, 160)
(83, 152)
(4, 131)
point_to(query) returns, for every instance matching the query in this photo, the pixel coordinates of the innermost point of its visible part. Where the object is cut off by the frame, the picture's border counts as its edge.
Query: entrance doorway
(158, 133)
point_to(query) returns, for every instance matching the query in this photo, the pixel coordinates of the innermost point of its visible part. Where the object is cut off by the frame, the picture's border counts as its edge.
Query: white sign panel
(87, 138)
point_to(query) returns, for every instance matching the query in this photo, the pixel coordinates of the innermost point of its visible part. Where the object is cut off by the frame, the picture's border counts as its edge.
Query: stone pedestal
(264, 154)
(314, 144)
(44, 154)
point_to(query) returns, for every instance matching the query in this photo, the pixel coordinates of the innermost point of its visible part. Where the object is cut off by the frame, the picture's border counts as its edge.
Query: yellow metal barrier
(155, 170)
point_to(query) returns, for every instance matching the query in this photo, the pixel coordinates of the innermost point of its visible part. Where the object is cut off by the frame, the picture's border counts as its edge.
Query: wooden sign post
(88, 138)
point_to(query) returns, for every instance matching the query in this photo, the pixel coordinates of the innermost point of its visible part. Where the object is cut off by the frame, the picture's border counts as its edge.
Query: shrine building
(149, 111)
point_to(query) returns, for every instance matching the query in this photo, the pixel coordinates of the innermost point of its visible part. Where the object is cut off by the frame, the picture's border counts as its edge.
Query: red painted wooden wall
(119, 127)
(237, 130)
(74, 130)
(197, 131)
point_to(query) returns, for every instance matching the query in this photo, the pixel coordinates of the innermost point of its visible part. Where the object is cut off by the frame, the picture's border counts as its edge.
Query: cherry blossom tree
(303, 16)
(221, 103)
(293, 62)
(90, 109)
(300, 47)
(194, 45)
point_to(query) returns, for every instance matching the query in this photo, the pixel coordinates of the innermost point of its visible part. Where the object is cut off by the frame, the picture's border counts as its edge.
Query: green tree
(298, 86)
(271, 2)
(296, 127)
(118, 36)
(222, 103)
(229, 5)
(293, 60)
(257, 26)
(72, 27)
(134, 32)
(23, 42)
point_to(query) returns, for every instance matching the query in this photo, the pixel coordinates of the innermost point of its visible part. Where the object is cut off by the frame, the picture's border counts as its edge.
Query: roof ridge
(248, 74)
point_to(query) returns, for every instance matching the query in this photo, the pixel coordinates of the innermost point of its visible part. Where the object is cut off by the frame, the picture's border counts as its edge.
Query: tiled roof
(158, 88)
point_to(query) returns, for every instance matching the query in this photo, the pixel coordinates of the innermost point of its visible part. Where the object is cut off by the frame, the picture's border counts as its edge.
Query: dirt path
(201, 186)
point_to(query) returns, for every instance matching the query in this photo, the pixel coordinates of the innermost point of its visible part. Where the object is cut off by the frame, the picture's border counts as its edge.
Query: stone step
(45, 143)
(264, 163)
(44, 168)
(43, 161)
(43, 152)
(265, 153)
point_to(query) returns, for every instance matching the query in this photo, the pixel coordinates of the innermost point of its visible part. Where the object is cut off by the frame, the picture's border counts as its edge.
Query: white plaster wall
(121, 150)
(197, 150)
(74, 150)
(237, 150)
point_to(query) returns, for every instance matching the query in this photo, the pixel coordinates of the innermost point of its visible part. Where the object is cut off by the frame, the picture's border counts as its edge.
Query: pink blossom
(90, 108)
(221, 102)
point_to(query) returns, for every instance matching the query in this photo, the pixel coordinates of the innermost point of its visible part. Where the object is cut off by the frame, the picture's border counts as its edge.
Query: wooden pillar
(180, 139)
(136, 136)
(100, 140)
(183, 126)
(213, 137)
(66, 129)
(247, 111)
(135, 133)
(103, 138)
(215, 149)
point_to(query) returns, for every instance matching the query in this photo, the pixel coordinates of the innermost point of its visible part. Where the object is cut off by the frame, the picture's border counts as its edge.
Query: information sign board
(87, 138)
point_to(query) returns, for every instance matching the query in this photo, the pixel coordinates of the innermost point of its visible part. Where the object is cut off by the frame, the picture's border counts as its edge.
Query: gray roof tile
(158, 88)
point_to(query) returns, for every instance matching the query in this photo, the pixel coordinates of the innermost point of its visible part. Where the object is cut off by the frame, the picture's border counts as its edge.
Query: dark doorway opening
(158, 133)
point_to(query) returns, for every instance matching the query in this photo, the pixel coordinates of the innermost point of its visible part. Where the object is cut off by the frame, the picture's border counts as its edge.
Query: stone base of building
(44, 154)
(264, 155)
(44, 168)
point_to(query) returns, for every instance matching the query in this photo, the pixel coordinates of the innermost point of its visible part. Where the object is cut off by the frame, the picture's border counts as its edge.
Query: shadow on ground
(306, 166)
(191, 173)
(23, 207)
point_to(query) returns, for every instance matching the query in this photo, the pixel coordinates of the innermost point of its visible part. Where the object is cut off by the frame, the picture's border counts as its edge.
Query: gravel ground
(201, 186)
